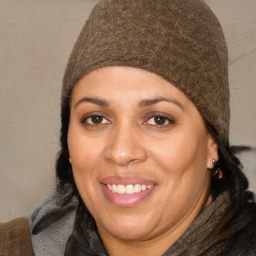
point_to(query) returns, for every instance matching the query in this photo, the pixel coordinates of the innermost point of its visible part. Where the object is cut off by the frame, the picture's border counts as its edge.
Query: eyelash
(165, 118)
(85, 119)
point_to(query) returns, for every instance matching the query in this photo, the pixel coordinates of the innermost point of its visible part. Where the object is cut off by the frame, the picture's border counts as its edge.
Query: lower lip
(126, 200)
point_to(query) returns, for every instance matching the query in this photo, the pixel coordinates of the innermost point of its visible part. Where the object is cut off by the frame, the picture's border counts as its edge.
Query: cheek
(180, 152)
(84, 151)
(85, 155)
(183, 161)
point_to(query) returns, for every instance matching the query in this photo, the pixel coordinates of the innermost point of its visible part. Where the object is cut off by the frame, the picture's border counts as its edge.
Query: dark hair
(64, 173)
(234, 180)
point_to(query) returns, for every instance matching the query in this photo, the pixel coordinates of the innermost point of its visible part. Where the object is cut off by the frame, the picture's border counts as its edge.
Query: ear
(212, 151)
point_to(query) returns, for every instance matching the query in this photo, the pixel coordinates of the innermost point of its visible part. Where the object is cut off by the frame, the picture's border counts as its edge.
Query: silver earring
(70, 160)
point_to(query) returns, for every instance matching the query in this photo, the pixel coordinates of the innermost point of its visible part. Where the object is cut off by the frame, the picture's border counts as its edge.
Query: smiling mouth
(128, 189)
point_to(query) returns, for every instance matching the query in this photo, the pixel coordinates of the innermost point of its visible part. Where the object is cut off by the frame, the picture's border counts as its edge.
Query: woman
(145, 161)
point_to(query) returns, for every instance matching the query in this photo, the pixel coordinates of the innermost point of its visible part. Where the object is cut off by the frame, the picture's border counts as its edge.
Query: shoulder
(239, 233)
(244, 240)
(15, 238)
(235, 232)
(51, 240)
(52, 224)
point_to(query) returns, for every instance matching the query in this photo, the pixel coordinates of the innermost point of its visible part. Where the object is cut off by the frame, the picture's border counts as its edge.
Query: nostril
(124, 146)
(124, 158)
(122, 161)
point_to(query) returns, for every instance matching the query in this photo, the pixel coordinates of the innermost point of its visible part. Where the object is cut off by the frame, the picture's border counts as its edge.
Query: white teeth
(120, 189)
(128, 189)
(137, 188)
(114, 188)
(143, 187)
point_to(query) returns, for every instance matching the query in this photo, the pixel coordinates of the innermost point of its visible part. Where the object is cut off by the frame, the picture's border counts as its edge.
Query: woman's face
(140, 152)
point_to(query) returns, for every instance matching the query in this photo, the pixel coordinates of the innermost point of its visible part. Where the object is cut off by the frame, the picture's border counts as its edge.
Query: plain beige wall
(36, 38)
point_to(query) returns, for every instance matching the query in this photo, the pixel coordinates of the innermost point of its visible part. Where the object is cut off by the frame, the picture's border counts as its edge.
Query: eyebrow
(96, 101)
(143, 103)
(150, 102)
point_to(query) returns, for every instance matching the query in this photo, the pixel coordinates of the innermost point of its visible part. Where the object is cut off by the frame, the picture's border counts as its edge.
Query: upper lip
(126, 180)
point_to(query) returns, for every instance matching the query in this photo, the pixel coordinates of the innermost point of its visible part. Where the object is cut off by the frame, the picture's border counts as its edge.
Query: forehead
(118, 83)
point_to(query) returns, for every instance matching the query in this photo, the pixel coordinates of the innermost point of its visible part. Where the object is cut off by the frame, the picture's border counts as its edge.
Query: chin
(128, 228)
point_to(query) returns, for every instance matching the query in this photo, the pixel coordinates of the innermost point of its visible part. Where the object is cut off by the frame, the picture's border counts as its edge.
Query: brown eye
(159, 120)
(95, 120)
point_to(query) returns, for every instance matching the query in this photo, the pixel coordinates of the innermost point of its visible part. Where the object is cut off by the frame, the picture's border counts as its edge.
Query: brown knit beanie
(180, 40)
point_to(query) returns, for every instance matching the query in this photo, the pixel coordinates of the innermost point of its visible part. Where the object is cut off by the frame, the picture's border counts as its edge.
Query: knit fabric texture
(52, 223)
(180, 40)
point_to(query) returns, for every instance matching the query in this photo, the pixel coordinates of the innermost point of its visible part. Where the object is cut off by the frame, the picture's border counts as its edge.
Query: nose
(125, 146)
